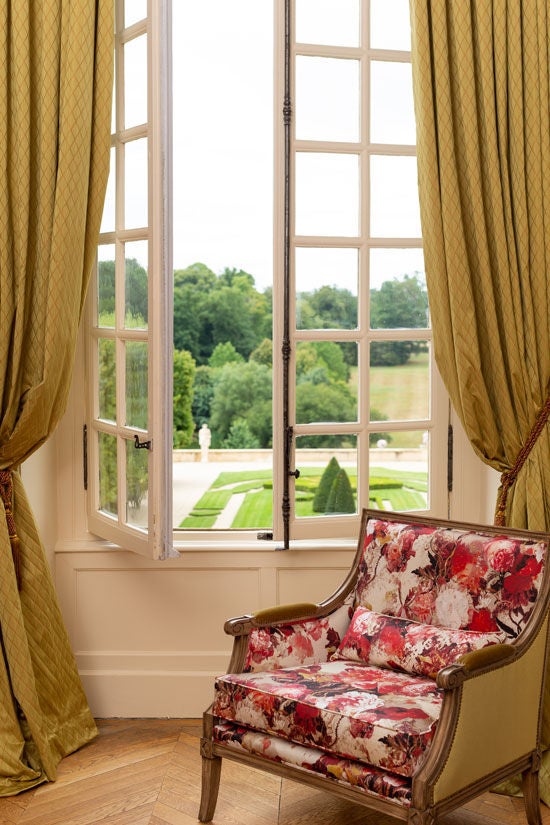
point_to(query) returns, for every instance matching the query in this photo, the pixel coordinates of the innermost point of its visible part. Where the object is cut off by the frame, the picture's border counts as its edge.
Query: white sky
(223, 137)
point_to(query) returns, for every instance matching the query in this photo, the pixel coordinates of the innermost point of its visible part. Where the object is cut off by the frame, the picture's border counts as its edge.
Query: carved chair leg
(531, 797)
(211, 770)
(422, 817)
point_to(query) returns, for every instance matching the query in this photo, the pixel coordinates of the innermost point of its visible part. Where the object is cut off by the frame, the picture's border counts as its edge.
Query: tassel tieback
(6, 494)
(509, 476)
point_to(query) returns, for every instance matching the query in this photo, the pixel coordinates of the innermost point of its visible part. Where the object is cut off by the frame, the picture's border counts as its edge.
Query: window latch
(141, 445)
(295, 473)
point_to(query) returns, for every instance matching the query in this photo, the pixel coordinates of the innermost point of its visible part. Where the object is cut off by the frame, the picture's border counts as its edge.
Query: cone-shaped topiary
(323, 490)
(341, 498)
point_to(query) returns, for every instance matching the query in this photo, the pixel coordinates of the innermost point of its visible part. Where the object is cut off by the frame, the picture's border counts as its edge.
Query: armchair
(397, 691)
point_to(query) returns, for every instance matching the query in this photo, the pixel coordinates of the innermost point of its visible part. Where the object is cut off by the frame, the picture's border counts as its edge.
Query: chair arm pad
(473, 663)
(285, 613)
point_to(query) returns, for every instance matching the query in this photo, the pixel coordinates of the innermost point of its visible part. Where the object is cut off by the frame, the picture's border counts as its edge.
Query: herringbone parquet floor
(147, 772)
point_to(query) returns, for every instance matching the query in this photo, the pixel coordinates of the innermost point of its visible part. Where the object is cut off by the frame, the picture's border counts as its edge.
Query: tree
(136, 288)
(326, 354)
(240, 437)
(324, 402)
(398, 304)
(184, 374)
(263, 354)
(340, 498)
(224, 354)
(240, 391)
(325, 485)
(203, 393)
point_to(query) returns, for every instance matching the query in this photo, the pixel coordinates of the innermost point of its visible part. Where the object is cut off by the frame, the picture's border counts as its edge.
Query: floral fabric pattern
(344, 771)
(377, 716)
(400, 644)
(448, 577)
(299, 643)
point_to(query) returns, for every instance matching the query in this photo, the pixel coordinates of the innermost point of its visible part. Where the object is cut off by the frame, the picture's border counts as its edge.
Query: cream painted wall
(148, 636)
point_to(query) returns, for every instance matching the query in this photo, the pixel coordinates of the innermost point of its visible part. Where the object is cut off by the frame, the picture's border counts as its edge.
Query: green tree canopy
(398, 304)
(241, 392)
(224, 354)
(184, 374)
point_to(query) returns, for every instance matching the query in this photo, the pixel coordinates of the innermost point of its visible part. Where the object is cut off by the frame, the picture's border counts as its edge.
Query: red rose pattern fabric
(400, 644)
(451, 578)
(377, 716)
(343, 771)
(299, 643)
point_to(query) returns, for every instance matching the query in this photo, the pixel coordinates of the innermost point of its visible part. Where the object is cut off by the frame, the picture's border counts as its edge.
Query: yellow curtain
(56, 76)
(481, 84)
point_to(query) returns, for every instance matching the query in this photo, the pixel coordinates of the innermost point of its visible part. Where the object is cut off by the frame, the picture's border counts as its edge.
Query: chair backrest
(460, 578)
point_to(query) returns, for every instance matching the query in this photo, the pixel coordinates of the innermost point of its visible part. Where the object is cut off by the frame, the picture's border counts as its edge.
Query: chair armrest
(474, 664)
(279, 614)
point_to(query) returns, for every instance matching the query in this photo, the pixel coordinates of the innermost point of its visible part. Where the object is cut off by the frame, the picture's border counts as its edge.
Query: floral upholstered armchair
(394, 692)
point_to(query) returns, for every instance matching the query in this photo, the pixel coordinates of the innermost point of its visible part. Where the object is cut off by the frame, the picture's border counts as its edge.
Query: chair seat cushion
(412, 647)
(379, 717)
(345, 772)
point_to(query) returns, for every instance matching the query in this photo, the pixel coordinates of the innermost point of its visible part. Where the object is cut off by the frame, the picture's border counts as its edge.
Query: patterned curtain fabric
(56, 76)
(481, 84)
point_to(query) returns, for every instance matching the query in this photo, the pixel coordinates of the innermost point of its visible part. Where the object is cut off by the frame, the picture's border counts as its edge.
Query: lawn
(401, 393)
(389, 490)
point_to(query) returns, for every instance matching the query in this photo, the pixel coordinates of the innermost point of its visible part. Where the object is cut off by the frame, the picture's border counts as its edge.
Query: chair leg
(211, 770)
(531, 797)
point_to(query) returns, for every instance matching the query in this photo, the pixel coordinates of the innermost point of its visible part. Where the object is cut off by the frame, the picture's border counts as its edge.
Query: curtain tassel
(509, 476)
(6, 494)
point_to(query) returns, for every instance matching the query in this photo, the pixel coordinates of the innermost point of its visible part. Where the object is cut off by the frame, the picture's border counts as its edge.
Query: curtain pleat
(56, 76)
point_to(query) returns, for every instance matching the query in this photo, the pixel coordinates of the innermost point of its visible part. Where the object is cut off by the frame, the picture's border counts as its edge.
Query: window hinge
(450, 458)
(142, 445)
(85, 455)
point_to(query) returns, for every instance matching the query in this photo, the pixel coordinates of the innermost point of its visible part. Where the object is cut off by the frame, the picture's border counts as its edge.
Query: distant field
(401, 393)
(390, 489)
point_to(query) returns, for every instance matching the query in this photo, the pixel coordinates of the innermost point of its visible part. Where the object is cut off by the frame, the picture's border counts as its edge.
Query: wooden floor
(147, 772)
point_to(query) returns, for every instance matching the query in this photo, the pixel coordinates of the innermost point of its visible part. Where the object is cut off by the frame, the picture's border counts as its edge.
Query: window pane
(136, 384)
(326, 288)
(107, 379)
(137, 482)
(327, 99)
(390, 26)
(395, 211)
(399, 304)
(399, 380)
(399, 472)
(391, 264)
(392, 107)
(328, 475)
(134, 11)
(136, 285)
(135, 184)
(330, 22)
(106, 285)
(135, 82)
(108, 484)
(326, 379)
(327, 194)
(108, 219)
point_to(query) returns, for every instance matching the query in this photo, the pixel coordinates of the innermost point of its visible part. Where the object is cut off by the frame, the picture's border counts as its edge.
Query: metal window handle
(141, 445)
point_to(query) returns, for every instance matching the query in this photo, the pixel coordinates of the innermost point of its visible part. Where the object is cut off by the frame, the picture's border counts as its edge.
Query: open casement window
(129, 435)
(363, 413)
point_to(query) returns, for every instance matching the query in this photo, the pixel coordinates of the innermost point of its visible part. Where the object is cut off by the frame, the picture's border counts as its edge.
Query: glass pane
(326, 382)
(392, 107)
(399, 471)
(136, 209)
(327, 99)
(391, 264)
(106, 285)
(400, 304)
(330, 22)
(108, 484)
(399, 380)
(108, 219)
(390, 26)
(136, 384)
(395, 211)
(137, 483)
(136, 285)
(134, 11)
(328, 475)
(326, 288)
(107, 379)
(327, 194)
(135, 82)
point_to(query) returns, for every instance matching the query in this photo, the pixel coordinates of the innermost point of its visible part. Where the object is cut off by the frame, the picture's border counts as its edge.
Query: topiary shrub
(341, 498)
(323, 490)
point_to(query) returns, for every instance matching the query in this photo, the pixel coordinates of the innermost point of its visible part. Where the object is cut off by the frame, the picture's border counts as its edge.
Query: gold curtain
(56, 76)
(481, 84)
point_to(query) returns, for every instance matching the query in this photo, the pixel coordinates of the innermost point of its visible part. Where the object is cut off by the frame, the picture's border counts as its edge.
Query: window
(359, 415)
